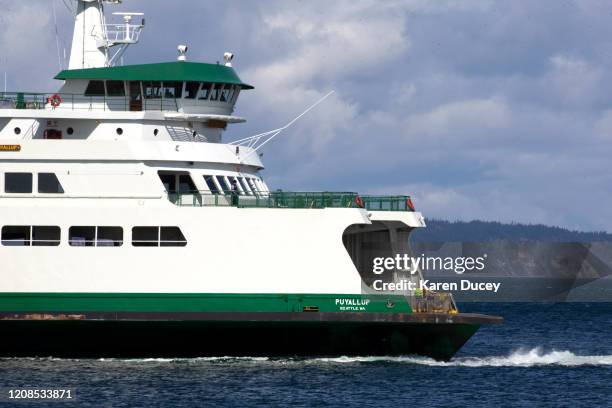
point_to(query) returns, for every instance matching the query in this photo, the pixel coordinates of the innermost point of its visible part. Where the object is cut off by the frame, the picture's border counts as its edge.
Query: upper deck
(180, 101)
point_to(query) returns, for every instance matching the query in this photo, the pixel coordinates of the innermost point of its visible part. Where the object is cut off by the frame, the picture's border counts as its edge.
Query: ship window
(214, 92)
(172, 236)
(18, 183)
(45, 236)
(211, 184)
(205, 91)
(82, 236)
(186, 184)
(223, 93)
(234, 185)
(169, 182)
(109, 237)
(95, 88)
(145, 236)
(223, 184)
(16, 235)
(244, 185)
(115, 88)
(252, 184)
(49, 184)
(152, 89)
(235, 96)
(227, 93)
(172, 89)
(191, 89)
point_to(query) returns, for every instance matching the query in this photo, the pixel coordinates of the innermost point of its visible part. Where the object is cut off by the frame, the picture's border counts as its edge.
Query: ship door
(135, 96)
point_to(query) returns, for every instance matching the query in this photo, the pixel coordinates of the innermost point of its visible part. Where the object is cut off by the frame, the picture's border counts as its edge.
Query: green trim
(205, 302)
(165, 71)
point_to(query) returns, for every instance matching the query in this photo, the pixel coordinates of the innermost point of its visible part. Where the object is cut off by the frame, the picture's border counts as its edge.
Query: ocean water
(545, 354)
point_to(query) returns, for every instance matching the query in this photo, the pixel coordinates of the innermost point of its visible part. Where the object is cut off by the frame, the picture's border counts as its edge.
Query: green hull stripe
(202, 302)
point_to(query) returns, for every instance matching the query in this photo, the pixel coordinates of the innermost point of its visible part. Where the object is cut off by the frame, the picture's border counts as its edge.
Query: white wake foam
(519, 358)
(226, 359)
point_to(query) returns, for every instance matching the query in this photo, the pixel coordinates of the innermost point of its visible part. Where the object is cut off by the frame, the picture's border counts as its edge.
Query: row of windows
(23, 183)
(227, 184)
(27, 235)
(183, 184)
(167, 89)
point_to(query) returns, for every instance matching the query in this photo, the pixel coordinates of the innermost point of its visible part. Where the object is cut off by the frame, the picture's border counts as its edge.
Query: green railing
(387, 203)
(29, 100)
(291, 199)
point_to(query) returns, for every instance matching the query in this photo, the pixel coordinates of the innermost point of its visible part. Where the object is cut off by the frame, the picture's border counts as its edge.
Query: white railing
(122, 33)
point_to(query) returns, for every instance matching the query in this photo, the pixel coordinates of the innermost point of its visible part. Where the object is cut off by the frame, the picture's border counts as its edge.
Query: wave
(225, 359)
(534, 357)
(519, 358)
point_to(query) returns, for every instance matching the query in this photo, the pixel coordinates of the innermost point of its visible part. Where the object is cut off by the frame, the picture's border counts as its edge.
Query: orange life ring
(54, 100)
(359, 202)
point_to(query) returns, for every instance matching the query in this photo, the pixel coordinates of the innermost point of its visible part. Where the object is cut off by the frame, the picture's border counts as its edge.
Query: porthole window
(155, 132)
(17, 130)
(119, 131)
(70, 130)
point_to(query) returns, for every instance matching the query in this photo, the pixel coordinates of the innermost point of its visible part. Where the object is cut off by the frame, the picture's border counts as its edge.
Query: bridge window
(172, 89)
(45, 236)
(224, 93)
(16, 235)
(210, 182)
(18, 183)
(205, 90)
(227, 93)
(49, 184)
(115, 88)
(95, 88)
(235, 95)
(191, 89)
(214, 92)
(152, 89)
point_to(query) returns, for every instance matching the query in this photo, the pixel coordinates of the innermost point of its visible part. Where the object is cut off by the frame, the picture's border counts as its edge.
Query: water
(543, 355)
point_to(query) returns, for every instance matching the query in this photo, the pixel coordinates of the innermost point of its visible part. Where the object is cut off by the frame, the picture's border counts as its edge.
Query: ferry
(131, 228)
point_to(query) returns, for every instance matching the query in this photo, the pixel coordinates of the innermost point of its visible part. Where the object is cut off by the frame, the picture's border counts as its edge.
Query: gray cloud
(490, 110)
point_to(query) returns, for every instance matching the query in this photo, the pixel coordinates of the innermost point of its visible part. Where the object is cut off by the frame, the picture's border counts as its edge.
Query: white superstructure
(122, 183)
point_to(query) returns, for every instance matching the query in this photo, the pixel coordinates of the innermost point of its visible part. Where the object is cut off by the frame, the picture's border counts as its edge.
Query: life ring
(359, 202)
(54, 100)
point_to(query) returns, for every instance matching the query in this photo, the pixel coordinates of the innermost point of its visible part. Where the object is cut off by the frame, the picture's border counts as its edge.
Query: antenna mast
(93, 38)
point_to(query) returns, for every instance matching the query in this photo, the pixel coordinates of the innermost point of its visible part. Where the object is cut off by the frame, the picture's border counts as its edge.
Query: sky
(477, 109)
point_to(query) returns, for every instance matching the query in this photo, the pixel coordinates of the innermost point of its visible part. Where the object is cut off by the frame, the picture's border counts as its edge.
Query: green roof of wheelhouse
(164, 71)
